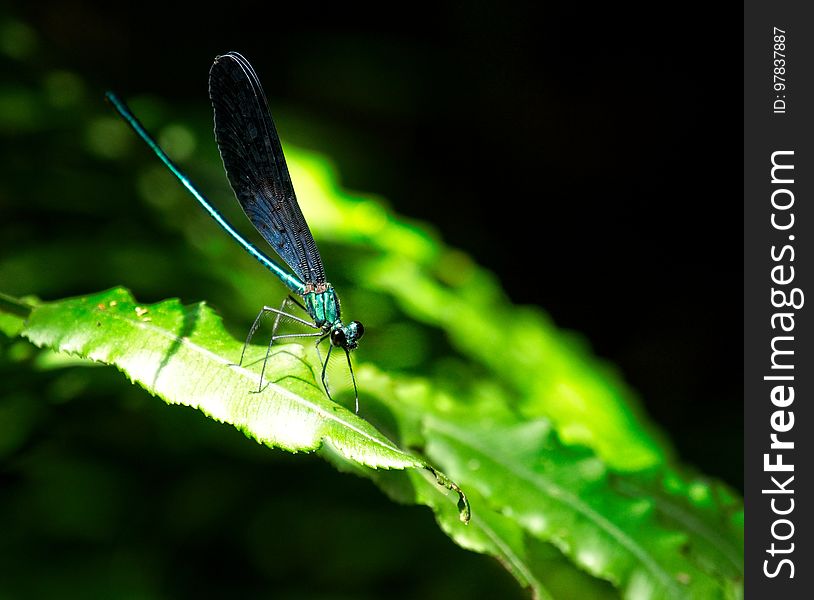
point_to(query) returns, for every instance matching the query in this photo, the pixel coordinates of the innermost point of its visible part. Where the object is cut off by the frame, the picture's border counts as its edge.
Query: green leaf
(567, 497)
(706, 509)
(651, 534)
(184, 355)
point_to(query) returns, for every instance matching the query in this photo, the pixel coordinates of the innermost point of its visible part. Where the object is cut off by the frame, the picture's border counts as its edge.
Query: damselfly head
(347, 336)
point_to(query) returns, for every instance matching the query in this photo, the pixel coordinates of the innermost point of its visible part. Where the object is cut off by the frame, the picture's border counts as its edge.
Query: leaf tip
(464, 510)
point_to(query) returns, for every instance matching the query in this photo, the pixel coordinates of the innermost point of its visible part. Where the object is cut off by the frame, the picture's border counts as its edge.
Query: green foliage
(571, 488)
(529, 487)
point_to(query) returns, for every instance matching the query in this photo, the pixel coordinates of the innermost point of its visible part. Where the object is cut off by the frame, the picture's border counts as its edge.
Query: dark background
(588, 156)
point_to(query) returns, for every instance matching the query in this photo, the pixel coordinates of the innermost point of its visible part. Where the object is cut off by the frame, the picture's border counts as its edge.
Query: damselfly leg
(325, 370)
(283, 312)
(278, 312)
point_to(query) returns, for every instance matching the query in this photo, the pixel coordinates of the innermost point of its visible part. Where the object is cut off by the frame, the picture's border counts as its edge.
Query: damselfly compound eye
(338, 338)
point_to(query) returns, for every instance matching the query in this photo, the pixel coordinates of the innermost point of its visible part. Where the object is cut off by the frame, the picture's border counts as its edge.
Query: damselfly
(257, 171)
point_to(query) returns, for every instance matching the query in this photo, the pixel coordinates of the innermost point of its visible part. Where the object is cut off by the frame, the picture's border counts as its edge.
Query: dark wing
(255, 165)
